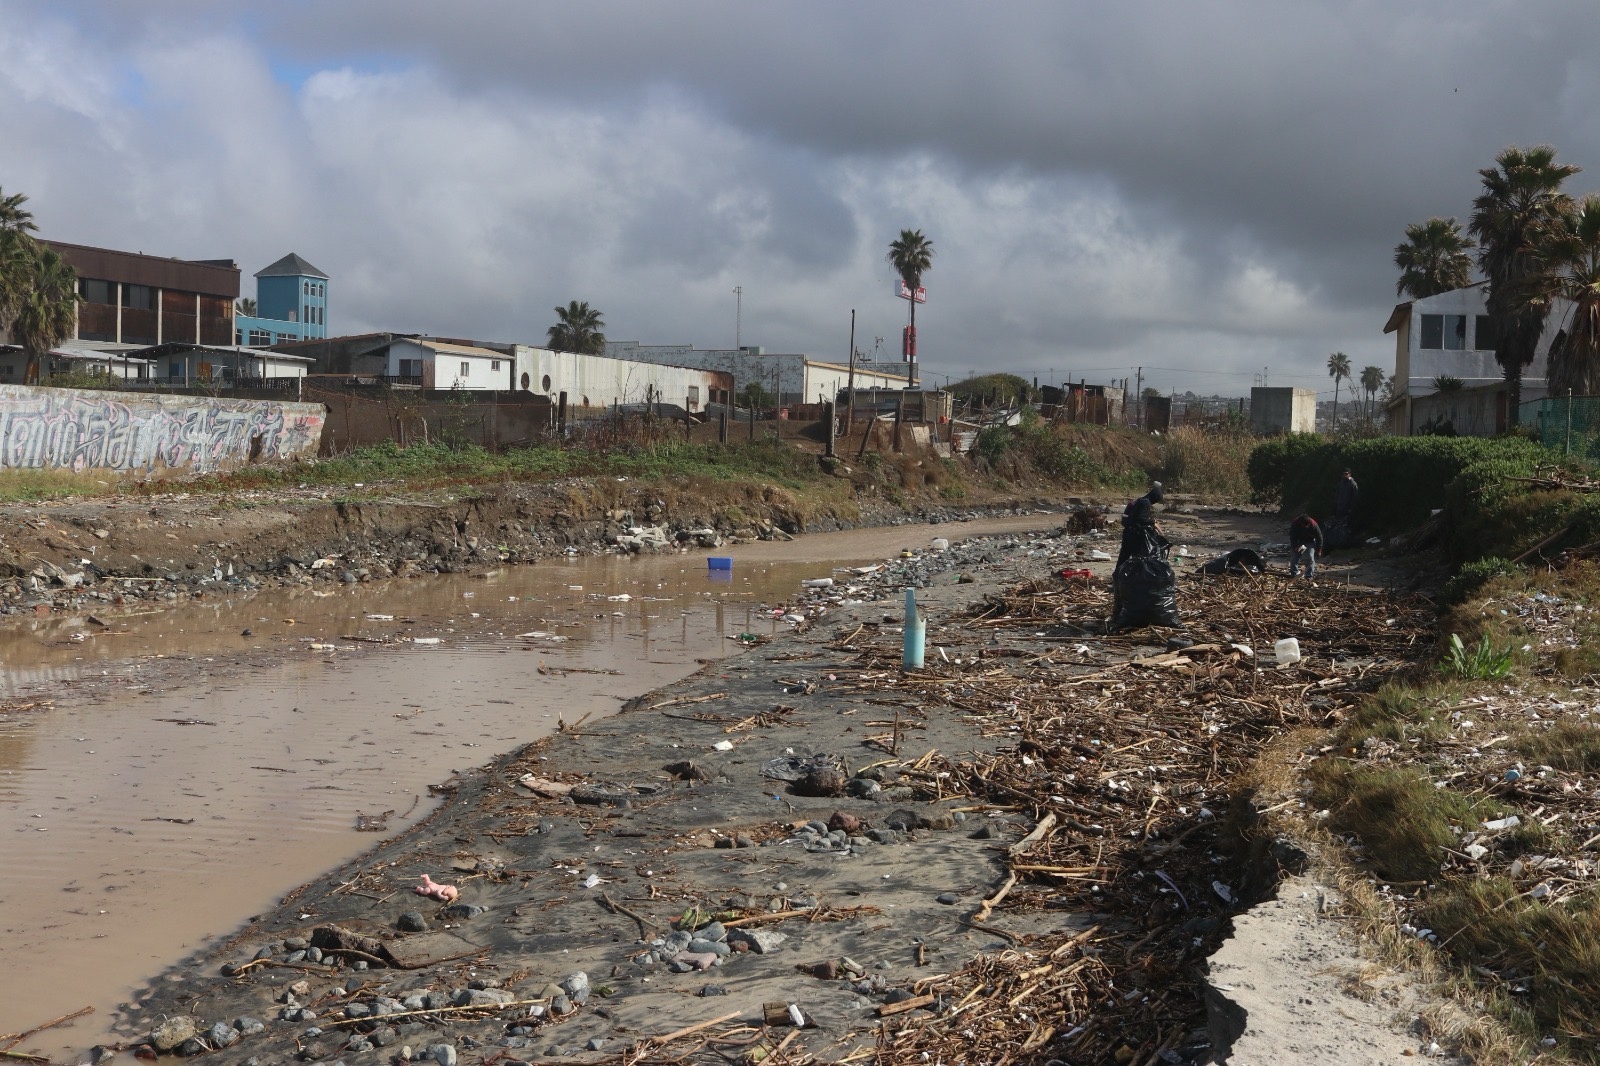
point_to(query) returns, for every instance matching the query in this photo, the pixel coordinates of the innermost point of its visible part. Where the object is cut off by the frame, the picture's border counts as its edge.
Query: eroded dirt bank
(1026, 850)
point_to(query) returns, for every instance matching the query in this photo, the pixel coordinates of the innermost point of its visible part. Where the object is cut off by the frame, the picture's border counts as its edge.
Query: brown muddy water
(179, 774)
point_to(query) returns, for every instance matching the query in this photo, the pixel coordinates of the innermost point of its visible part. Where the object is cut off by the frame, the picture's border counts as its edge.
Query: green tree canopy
(1433, 258)
(578, 329)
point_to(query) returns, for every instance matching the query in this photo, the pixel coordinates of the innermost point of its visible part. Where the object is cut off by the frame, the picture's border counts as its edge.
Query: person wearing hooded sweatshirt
(1140, 536)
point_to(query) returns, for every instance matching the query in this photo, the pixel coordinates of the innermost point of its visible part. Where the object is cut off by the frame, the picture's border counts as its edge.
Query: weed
(1484, 662)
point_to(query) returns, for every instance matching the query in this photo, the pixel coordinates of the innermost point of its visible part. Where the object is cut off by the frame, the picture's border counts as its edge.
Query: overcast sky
(1204, 189)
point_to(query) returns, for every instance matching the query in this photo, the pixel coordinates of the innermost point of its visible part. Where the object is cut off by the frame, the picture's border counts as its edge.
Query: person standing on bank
(1305, 541)
(1345, 495)
(1141, 538)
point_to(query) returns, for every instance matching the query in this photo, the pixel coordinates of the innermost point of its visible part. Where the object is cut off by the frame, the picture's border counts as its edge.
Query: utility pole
(850, 411)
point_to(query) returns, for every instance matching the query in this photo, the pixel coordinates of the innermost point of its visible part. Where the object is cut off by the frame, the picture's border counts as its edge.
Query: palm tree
(911, 256)
(1515, 220)
(578, 329)
(1433, 259)
(1574, 256)
(48, 311)
(1371, 381)
(13, 216)
(245, 306)
(1338, 370)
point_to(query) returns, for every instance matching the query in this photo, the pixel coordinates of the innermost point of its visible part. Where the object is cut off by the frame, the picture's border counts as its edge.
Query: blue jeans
(1308, 553)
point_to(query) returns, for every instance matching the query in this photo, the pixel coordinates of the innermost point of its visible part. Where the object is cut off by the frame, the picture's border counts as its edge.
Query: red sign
(905, 293)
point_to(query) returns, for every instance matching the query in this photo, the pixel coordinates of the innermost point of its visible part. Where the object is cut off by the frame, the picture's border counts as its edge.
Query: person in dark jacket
(1345, 495)
(1305, 543)
(1140, 535)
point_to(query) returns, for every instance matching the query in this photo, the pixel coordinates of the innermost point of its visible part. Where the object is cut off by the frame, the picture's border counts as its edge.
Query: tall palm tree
(1371, 381)
(1515, 220)
(1574, 258)
(48, 312)
(578, 329)
(1338, 370)
(911, 255)
(1433, 259)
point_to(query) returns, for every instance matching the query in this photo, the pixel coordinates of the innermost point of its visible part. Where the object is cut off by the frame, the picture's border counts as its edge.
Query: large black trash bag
(1146, 594)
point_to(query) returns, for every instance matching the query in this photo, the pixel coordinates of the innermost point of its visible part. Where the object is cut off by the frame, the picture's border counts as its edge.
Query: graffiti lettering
(126, 432)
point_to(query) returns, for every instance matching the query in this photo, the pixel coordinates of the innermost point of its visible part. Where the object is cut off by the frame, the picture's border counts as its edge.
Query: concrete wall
(605, 381)
(82, 429)
(1283, 410)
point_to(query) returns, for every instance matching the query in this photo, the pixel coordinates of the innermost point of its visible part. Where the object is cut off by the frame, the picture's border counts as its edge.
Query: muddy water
(184, 769)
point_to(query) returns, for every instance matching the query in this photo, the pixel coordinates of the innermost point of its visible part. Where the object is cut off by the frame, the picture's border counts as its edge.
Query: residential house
(1448, 336)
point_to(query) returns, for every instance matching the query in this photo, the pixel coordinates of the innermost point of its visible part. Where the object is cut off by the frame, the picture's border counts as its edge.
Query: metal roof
(291, 266)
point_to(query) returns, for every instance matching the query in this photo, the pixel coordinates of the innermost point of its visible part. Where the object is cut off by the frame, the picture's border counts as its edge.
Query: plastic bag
(1146, 594)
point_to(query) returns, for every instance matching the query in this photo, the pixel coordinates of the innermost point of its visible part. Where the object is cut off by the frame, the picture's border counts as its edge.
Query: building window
(466, 368)
(1483, 334)
(1446, 332)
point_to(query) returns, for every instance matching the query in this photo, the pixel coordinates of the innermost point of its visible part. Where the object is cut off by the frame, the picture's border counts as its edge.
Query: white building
(600, 381)
(1447, 335)
(791, 377)
(440, 365)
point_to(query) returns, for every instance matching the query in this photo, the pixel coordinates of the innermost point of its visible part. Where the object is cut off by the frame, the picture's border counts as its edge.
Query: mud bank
(95, 556)
(787, 853)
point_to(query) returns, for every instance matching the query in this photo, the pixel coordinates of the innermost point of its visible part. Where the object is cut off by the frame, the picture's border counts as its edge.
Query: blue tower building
(291, 304)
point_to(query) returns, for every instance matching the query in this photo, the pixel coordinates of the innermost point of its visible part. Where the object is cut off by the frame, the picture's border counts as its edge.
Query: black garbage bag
(1146, 594)
(1238, 561)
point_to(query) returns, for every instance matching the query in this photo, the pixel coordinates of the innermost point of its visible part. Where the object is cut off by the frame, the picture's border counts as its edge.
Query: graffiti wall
(130, 432)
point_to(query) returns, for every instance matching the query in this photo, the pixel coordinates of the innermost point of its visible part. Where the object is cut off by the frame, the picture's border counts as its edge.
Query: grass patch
(1206, 461)
(1403, 820)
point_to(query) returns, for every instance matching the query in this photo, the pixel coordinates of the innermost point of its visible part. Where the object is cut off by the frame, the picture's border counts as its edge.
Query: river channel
(181, 770)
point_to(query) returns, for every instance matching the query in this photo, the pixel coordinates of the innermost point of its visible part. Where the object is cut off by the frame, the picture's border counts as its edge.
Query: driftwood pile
(1129, 765)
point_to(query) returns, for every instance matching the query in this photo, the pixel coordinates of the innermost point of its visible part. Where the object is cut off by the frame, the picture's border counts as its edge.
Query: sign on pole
(921, 295)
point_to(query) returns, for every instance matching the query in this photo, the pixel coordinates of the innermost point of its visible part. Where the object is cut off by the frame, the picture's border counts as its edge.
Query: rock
(820, 783)
(760, 941)
(173, 1032)
(443, 1054)
(411, 922)
(462, 911)
(843, 821)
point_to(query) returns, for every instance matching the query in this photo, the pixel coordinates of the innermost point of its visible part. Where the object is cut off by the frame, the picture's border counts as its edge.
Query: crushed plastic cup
(1286, 651)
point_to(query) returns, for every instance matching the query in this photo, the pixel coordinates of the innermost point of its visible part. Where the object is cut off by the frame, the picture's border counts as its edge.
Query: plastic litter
(1286, 651)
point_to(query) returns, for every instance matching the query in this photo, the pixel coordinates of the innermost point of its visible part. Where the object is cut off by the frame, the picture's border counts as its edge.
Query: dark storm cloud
(1215, 185)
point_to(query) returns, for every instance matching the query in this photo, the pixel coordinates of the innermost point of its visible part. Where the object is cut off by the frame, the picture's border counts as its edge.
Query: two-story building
(1445, 339)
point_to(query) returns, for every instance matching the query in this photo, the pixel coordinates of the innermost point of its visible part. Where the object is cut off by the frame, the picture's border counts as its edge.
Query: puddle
(184, 775)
